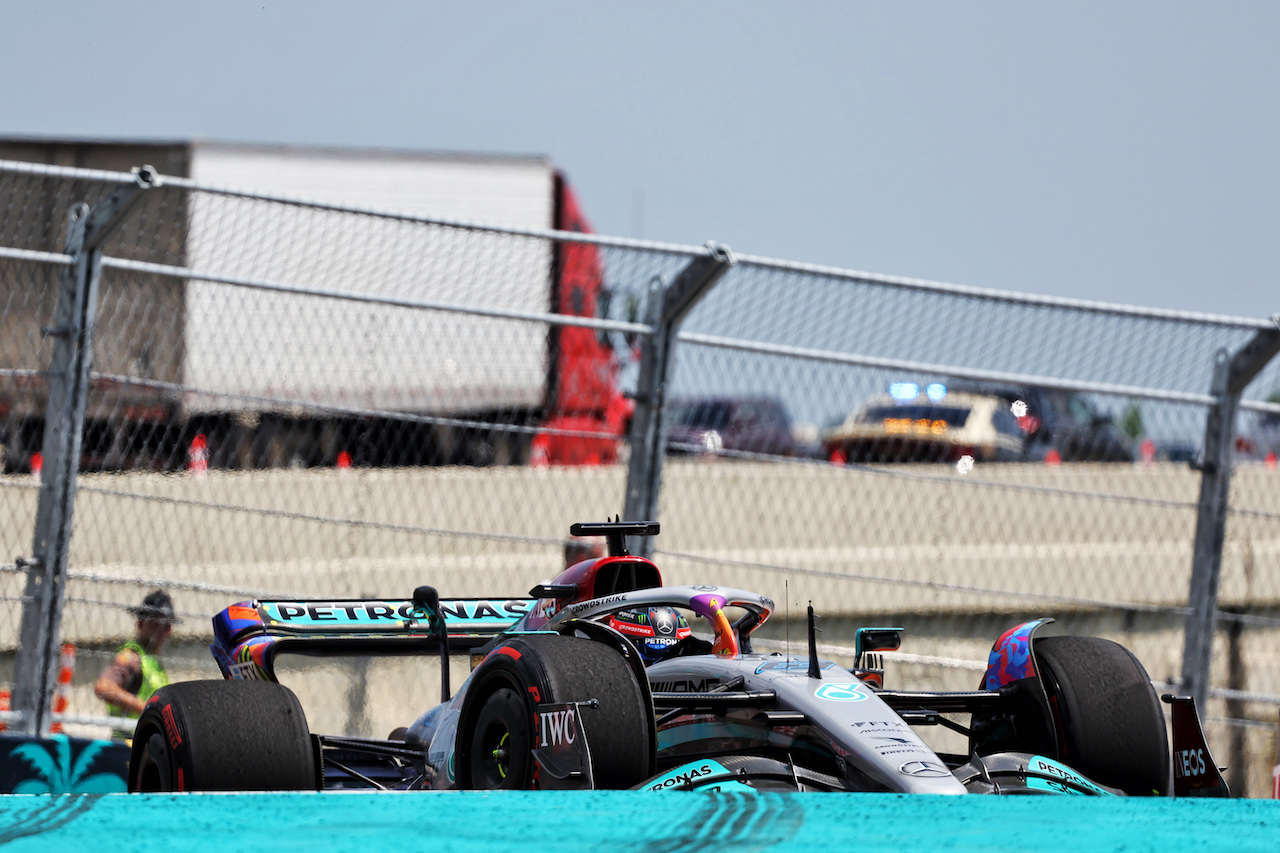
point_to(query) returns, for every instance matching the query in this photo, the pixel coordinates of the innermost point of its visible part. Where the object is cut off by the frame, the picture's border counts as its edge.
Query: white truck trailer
(264, 379)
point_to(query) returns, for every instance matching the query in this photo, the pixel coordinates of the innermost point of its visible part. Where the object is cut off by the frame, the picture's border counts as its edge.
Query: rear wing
(249, 635)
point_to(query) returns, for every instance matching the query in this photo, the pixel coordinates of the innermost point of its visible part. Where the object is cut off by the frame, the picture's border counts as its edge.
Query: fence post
(1231, 374)
(36, 667)
(667, 309)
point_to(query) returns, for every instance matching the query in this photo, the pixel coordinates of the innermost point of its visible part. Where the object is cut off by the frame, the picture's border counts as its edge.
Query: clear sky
(1118, 151)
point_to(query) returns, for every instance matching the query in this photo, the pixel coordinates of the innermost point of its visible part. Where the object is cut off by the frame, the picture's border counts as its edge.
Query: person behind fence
(136, 672)
(577, 550)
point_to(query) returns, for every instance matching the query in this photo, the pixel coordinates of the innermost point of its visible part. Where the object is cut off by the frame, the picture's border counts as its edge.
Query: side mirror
(426, 600)
(875, 640)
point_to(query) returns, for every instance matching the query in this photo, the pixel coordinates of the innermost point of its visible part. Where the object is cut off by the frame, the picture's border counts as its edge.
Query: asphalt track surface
(623, 821)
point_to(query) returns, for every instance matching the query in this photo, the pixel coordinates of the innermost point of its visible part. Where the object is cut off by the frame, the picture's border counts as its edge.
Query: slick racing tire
(496, 729)
(222, 736)
(1110, 725)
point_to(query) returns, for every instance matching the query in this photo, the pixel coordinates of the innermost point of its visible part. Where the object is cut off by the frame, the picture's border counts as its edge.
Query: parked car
(1056, 422)
(727, 425)
(1259, 440)
(568, 691)
(934, 424)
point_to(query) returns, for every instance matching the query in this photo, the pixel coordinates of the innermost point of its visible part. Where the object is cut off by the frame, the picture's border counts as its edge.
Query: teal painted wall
(624, 821)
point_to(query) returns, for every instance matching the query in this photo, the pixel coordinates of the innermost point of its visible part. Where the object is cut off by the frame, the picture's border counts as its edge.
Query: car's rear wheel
(496, 731)
(501, 742)
(222, 736)
(1110, 725)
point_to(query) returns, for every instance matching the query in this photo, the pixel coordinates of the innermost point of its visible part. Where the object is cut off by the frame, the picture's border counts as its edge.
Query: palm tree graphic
(58, 775)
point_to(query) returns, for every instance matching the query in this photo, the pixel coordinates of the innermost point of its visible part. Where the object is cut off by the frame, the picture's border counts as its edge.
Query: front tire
(222, 736)
(1110, 722)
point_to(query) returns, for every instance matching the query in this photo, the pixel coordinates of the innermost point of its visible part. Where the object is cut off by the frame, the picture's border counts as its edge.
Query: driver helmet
(653, 630)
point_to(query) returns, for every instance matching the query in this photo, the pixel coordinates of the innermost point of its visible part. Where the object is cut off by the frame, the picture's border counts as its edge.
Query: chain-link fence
(295, 399)
(1096, 524)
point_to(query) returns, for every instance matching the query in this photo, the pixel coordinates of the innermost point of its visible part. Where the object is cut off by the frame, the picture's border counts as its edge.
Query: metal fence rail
(288, 397)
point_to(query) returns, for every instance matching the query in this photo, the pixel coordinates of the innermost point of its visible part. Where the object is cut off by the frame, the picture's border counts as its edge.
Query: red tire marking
(170, 726)
(508, 651)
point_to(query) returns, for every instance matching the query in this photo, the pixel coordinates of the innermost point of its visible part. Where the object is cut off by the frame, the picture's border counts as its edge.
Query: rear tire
(1111, 724)
(496, 731)
(501, 744)
(222, 736)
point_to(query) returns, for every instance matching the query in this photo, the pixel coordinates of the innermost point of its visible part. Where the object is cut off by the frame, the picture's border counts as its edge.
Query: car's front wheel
(1110, 724)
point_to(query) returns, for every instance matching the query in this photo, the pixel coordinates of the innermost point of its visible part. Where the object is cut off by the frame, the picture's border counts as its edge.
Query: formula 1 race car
(600, 681)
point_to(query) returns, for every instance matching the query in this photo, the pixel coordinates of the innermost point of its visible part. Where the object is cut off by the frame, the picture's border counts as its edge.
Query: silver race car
(605, 678)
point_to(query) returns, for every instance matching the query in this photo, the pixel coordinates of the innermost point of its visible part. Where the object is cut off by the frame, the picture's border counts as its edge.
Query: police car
(911, 423)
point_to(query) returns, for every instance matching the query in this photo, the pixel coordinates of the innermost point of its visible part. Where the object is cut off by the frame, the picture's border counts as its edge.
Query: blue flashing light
(904, 391)
(935, 391)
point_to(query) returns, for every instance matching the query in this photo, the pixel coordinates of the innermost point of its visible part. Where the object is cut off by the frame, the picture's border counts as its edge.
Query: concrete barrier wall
(904, 539)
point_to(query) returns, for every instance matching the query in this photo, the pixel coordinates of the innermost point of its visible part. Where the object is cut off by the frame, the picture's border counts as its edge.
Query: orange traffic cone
(344, 461)
(62, 695)
(37, 465)
(198, 456)
(839, 457)
(1271, 459)
(540, 452)
(1053, 457)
